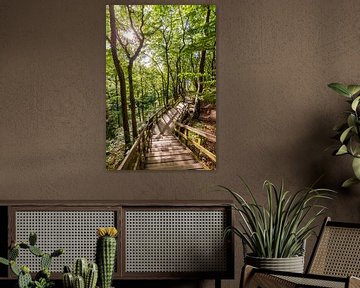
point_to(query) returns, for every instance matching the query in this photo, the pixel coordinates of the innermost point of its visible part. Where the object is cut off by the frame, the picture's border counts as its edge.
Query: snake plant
(279, 228)
(348, 132)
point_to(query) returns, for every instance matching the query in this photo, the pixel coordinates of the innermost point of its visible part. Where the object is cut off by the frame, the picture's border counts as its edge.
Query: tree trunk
(167, 75)
(131, 58)
(132, 101)
(201, 70)
(117, 101)
(203, 54)
(213, 63)
(121, 75)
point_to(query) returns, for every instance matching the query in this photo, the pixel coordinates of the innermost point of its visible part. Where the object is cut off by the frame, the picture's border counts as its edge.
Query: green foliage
(279, 229)
(349, 131)
(43, 283)
(42, 278)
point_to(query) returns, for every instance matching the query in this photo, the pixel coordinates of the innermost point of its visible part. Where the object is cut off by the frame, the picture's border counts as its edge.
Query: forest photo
(160, 87)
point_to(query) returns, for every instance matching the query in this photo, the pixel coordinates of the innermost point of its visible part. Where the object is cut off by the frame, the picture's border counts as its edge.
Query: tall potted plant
(348, 132)
(276, 233)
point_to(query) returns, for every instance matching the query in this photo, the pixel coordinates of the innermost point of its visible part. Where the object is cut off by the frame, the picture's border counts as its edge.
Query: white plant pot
(291, 264)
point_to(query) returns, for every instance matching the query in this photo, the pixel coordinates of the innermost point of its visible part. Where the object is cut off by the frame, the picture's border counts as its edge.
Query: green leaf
(4, 261)
(356, 167)
(354, 145)
(340, 88)
(14, 268)
(342, 150)
(351, 120)
(353, 89)
(340, 127)
(349, 182)
(345, 134)
(355, 103)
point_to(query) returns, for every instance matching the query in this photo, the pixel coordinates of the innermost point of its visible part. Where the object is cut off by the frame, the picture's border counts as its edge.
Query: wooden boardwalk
(166, 151)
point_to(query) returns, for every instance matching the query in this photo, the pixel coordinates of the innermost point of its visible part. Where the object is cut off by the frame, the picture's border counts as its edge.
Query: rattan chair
(334, 263)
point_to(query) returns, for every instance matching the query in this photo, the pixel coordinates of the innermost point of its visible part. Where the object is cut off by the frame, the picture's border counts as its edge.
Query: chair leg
(246, 273)
(250, 278)
(217, 282)
(354, 282)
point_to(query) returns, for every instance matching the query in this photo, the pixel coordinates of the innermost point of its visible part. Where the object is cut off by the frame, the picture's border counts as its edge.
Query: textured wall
(275, 113)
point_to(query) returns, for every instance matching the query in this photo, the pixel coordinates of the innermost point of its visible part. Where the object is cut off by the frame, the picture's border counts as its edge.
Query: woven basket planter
(291, 264)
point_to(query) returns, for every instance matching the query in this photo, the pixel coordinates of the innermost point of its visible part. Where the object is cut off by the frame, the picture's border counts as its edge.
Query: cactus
(24, 246)
(32, 238)
(36, 251)
(13, 253)
(57, 252)
(67, 269)
(91, 276)
(105, 254)
(80, 267)
(45, 261)
(79, 282)
(68, 280)
(14, 268)
(87, 272)
(24, 280)
(23, 273)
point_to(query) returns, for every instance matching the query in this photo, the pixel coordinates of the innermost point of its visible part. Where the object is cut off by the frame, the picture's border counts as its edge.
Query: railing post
(139, 152)
(198, 141)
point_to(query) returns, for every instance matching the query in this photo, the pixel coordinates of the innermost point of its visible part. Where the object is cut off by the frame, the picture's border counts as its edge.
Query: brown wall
(275, 113)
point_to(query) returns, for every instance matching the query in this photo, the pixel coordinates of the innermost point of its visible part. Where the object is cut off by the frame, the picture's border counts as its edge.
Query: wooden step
(166, 148)
(166, 159)
(168, 153)
(195, 166)
(163, 137)
(173, 165)
(165, 142)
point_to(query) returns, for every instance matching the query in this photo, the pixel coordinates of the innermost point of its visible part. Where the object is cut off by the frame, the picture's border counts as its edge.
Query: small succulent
(43, 283)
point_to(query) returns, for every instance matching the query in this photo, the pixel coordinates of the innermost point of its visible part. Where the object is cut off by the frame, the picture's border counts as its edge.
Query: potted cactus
(42, 278)
(106, 254)
(84, 275)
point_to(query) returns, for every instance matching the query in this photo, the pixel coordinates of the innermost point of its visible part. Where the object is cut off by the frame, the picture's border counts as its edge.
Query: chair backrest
(337, 251)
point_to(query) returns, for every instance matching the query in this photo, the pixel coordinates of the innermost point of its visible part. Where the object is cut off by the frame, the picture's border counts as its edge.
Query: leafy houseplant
(279, 229)
(349, 132)
(42, 278)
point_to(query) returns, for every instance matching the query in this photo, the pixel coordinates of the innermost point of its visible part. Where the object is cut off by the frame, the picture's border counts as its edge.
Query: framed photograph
(160, 87)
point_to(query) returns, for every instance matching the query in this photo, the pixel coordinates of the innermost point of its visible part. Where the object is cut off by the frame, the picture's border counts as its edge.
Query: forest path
(166, 151)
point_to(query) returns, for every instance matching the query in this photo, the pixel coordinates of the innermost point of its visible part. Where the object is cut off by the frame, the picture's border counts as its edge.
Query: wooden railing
(135, 157)
(184, 133)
